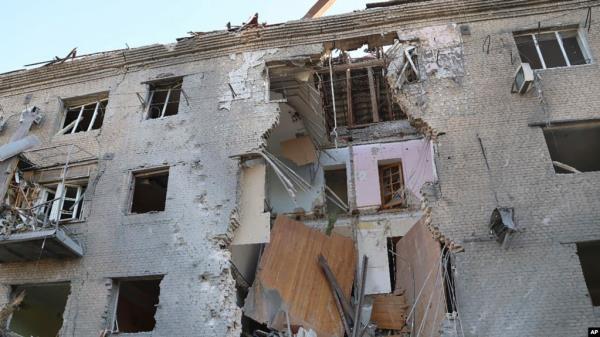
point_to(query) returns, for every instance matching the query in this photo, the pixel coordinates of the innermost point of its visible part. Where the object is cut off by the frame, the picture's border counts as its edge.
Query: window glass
(527, 51)
(572, 48)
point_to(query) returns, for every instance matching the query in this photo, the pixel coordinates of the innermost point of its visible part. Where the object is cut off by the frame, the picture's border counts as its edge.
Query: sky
(36, 30)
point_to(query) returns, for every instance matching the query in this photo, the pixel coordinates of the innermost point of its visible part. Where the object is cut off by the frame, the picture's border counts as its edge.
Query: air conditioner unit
(502, 225)
(523, 79)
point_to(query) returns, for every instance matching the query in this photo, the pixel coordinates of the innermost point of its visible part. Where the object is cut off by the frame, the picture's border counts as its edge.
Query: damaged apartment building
(415, 168)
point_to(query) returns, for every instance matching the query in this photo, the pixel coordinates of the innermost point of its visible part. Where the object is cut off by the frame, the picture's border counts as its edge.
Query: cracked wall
(465, 96)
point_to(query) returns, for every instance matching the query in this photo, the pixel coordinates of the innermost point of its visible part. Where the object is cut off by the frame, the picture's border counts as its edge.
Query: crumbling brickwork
(489, 152)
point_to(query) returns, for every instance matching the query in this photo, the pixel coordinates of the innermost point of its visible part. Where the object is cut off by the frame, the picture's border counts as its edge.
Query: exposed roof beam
(318, 9)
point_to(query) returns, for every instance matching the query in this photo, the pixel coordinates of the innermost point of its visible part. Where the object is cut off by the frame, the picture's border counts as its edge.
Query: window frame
(56, 208)
(81, 107)
(581, 41)
(380, 168)
(174, 84)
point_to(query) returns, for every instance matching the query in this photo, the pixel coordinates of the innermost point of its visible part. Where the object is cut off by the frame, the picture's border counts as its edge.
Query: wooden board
(289, 277)
(420, 250)
(389, 311)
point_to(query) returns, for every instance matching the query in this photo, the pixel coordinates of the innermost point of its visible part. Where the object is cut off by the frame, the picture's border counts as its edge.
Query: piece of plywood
(300, 150)
(389, 311)
(289, 278)
(418, 270)
(255, 223)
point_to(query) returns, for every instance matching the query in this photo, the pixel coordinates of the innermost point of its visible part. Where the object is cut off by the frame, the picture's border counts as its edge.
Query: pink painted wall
(417, 162)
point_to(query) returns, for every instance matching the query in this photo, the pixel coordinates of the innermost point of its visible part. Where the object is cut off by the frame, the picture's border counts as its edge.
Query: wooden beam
(374, 105)
(349, 113)
(318, 9)
(357, 65)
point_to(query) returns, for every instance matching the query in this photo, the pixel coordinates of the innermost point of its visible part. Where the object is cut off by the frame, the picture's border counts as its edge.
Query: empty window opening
(574, 147)
(84, 117)
(136, 303)
(149, 191)
(337, 181)
(164, 98)
(448, 277)
(41, 312)
(589, 255)
(552, 48)
(392, 242)
(392, 185)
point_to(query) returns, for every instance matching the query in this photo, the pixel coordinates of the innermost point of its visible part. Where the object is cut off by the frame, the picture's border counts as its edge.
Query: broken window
(136, 301)
(336, 181)
(41, 312)
(65, 208)
(392, 185)
(163, 99)
(80, 117)
(552, 48)
(149, 191)
(589, 255)
(574, 147)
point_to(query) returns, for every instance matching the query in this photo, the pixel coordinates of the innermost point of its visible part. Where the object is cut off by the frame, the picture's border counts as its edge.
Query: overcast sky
(38, 30)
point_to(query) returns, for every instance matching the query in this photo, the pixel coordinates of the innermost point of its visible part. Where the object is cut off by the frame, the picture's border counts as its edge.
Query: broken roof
(298, 32)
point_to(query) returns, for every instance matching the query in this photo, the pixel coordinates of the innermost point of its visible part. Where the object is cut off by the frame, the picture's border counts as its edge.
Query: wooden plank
(374, 105)
(349, 113)
(420, 255)
(289, 277)
(389, 311)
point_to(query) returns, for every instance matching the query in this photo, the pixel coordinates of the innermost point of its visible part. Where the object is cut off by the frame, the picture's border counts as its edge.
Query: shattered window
(552, 49)
(41, 309)
(589, 255)
(392, 185)
(164, 98)
(84, 117)
(136, 304)
(150, 191)
(69, 207)
(574, 147)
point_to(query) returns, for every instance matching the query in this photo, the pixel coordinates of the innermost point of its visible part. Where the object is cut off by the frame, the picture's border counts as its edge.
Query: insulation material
(299, 150)
(254, 221)
(289, 279)
(372, 242)
(418, 270)
(417, 163)
(389, 311)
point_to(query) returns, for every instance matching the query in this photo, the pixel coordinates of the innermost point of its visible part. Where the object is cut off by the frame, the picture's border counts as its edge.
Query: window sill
(564, 67)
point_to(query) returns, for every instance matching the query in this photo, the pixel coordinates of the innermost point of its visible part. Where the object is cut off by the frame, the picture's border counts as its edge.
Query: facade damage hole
(552, 48)
(337, 181)
(163, 99)
(136, 304)
(589, 255)
(84, 114)
(448, 277)
(362, 96)
(391, 182)
(574, 147)
(392, 242)
(41, 312)
(149, 191)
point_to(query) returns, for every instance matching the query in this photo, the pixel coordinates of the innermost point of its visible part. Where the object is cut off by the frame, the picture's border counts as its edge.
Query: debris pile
(311, 284)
